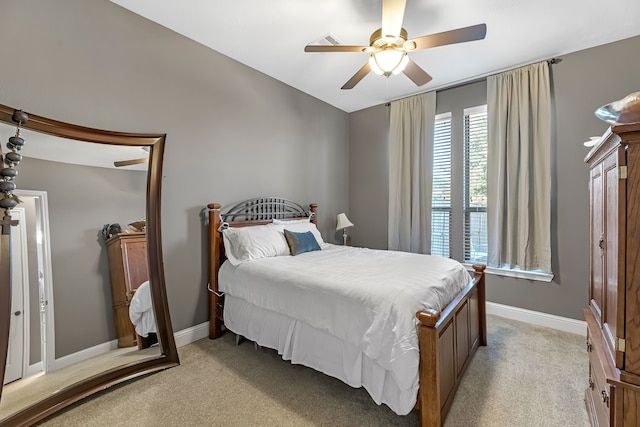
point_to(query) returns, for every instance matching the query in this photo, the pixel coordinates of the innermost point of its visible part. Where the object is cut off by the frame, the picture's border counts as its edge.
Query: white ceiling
(46, 147)
(270, 36)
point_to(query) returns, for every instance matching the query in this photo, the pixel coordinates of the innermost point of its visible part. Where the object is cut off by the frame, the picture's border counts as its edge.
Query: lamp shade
(388, 61)
(343, 222)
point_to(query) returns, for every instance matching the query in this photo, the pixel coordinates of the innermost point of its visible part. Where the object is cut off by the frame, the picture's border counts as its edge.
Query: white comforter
(141, 311)
(365, 297)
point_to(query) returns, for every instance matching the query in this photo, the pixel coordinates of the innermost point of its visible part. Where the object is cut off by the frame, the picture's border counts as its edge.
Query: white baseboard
(81, 355)
(192, 334)
(538, 318)
(183, 337)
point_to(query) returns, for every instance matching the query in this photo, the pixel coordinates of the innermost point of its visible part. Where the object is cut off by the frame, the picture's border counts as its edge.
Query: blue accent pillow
(300, 243)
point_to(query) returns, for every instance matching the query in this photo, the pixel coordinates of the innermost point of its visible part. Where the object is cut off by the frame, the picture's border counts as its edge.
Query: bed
(407, 344)
(142, 317)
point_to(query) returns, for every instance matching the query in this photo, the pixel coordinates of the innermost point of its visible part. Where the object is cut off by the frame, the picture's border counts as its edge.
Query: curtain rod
(475, 79)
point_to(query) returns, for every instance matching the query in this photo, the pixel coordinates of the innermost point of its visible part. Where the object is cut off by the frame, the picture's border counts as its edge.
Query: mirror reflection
(79, 266)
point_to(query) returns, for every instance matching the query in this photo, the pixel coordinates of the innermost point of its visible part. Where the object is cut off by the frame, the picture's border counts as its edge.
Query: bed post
(313, 208)
(482, 300)
(429, 378)
(215, 299)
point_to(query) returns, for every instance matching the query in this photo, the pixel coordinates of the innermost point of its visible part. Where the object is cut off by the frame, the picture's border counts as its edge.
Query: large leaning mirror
(71, 288)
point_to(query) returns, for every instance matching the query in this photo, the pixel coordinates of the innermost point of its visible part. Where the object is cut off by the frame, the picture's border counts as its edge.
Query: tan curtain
(519, 172)
(410, 173)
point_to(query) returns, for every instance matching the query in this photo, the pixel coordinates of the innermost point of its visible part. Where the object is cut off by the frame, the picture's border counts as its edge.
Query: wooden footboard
(448, 340)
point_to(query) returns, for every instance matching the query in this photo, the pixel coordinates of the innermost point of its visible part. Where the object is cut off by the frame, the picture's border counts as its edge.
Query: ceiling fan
(390, 45)
(131, 162)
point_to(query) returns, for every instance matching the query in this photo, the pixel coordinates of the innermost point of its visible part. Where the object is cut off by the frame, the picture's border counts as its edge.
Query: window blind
(441, 192)
(475, 184)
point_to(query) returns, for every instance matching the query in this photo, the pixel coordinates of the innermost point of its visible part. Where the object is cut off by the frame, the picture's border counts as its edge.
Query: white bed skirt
(302, 344)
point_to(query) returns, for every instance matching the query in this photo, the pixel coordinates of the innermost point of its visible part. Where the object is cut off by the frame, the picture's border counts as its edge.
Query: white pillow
(300, 226)
(248, 243)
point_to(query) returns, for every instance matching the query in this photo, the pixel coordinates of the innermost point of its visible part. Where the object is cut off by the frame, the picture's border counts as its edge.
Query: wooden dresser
(127, 253)
(613, 315)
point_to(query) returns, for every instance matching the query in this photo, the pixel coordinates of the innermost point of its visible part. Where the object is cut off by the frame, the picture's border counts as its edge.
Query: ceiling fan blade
(392, 15)
(461, 35)
(336, 48)
(416, 74)
(357, 76)
(130, 162)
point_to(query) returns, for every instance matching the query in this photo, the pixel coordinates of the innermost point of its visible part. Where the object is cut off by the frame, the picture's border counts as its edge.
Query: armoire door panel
(136, 254)
(597, 233)
(632, 305)
(610, 286)
(621, 248)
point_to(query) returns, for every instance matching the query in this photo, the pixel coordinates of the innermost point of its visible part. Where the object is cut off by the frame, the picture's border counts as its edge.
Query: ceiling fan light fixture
(389, 46)
(403, 64)
(374, 65)
(388, 60)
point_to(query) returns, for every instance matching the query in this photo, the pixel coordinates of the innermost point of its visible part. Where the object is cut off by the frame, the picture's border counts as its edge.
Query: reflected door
(15, 353)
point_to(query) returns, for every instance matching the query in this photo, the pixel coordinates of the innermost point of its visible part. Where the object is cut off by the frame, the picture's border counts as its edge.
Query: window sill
(519, 274)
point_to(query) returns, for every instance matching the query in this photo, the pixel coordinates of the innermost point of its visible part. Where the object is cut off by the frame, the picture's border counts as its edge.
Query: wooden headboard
(258, 211)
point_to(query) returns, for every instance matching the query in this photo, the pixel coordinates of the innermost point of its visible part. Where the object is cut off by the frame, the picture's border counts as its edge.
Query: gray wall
(81, 200)
(232, 132)
(369, 177)
(582, 82)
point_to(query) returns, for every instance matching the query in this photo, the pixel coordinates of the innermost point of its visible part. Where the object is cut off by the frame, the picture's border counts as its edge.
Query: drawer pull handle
(589, 346)
(591, 384)
(605, 398)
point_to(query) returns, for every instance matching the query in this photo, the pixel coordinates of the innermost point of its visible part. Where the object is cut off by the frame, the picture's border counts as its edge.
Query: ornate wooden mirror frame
(169, 353)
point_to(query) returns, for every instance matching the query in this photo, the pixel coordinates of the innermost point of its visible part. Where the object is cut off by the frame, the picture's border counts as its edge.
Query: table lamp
(343, 224)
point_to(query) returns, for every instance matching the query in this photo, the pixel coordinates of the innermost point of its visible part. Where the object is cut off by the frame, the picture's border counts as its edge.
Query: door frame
(47, 336)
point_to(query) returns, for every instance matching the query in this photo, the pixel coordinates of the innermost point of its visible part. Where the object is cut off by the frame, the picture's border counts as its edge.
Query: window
(475, 184)
(459, 197)
(471, 227)
(441, 192)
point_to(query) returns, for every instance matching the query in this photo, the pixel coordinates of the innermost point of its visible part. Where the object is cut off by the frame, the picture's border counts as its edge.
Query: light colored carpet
(527, 376)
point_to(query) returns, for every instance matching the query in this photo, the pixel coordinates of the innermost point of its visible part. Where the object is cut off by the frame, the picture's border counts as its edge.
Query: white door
(15, 353)
(45, 285)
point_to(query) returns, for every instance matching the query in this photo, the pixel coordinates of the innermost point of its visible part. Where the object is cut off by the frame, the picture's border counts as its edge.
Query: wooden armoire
(128, 268)
(613, 315)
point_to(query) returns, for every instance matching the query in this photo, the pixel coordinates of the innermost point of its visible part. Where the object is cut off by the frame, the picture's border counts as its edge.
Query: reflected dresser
(613, 316)
(127, 253)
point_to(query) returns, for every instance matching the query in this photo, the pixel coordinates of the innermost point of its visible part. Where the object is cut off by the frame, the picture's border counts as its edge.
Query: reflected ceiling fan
(131, 162)
(390, 45)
